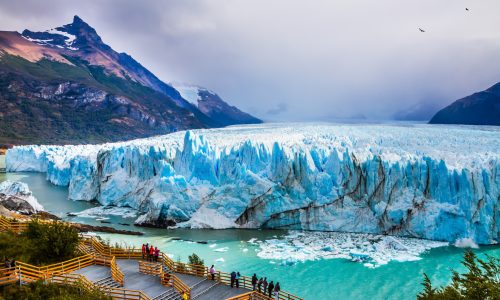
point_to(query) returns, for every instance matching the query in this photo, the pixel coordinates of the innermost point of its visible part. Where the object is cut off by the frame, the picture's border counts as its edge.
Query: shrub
(194, 259)
(40, 244)
(482, 281)
(41, 290)
(52, 242)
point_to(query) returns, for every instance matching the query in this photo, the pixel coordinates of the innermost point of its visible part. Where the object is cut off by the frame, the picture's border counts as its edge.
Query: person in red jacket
(157, 254)
(151, 253)
(143, 251)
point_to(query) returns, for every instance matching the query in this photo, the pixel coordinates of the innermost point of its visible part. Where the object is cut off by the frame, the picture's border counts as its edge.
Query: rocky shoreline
(17, 201)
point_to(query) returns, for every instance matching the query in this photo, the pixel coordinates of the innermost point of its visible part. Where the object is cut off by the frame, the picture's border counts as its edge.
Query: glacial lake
(234, 250)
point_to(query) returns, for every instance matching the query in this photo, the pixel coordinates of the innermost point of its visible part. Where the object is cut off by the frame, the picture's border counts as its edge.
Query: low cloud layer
(326, 58)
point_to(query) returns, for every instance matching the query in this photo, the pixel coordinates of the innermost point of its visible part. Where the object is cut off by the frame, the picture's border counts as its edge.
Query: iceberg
(422, 181)
(16, 196)
(371, 250)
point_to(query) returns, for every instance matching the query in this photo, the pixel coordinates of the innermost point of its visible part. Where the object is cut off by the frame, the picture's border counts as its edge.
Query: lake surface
(233, 250)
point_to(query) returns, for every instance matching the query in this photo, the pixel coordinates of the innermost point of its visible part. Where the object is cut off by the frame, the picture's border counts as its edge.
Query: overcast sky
(297, 60)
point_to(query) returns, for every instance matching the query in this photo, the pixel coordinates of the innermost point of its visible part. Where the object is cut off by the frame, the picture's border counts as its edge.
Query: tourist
(259, 285)
(151, 253)
(212, 272)
(184, 296)
(254, 281)
(157, 254)
(238, 275)
(13, 263)
(7, 263)
(147, 251)
(277, 289)
(233, 278)
(143, 251)
(270, 289)
(264, 285)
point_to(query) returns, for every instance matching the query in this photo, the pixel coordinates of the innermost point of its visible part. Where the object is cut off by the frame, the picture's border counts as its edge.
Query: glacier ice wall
(433, 182)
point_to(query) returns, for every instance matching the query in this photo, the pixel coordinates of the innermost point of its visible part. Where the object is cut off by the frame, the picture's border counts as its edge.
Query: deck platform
(201, 288)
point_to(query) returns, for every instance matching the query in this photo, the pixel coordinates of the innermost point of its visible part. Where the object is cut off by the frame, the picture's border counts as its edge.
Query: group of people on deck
(261, 285)
(150, 253)
(264, 287)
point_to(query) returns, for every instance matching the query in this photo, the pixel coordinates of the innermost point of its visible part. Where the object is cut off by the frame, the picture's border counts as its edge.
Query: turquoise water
(320, 279)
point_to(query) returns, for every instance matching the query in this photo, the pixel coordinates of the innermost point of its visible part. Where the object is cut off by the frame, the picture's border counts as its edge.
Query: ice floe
(100, 212)
(371, 250)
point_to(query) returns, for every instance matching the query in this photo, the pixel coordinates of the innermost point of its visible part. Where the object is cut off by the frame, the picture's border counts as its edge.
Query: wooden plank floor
(151, 286)
(95, 272)
(135, 280)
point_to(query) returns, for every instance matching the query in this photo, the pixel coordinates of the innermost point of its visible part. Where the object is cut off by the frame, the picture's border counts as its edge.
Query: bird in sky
(421, 30)
(467, 9)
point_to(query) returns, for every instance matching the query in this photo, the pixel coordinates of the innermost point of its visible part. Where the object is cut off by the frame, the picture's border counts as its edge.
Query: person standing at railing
(184, 296)
(151, 253)
(147, 251)
(238, 276)
(254, 281)
(259, 285)
(270, 289)
(277, 290)
(264, 285)
(143, 251)
(233, 278)
(212, 272)
(157, 254)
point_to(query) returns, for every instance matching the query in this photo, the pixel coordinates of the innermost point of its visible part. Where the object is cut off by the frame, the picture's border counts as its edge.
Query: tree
(194, 259)
(198, 264)
(52, 242)
(481, 281)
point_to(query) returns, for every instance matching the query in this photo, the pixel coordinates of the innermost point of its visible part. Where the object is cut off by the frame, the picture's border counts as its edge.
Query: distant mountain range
(482, 108)
(65, 85)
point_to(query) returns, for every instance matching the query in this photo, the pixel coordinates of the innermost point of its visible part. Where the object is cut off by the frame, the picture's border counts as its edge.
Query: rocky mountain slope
(482, 108)
(209, 103)
(65, 85)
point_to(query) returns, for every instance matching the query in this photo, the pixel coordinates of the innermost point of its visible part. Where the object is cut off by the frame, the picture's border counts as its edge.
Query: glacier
(436, 182)
(16, 196)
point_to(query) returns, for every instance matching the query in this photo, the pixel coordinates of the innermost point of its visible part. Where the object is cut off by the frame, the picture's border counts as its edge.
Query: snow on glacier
(22, 191)
(425, 181)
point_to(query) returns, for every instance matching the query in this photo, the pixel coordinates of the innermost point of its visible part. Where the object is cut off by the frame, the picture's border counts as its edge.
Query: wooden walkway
(201, 288)
(122, 274)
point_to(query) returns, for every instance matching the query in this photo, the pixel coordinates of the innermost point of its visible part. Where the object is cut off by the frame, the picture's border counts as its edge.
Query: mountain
(65, 85)
(422, 111)
(213, 106)
(482, 108)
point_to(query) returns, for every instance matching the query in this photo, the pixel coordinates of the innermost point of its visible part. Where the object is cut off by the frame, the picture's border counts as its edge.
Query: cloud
(280, 108)
(325, 57)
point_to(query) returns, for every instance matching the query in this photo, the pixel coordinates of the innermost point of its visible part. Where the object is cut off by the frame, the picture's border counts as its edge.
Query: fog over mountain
(298, 60)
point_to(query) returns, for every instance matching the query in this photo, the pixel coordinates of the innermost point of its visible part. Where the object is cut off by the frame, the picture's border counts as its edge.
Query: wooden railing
(169, 279)
(33, 273)
(116, 273)
(179, 267)
(118, 252)
(115, 293)
(250, 296)
(12, 225)
(150, 268)
(8, 276)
